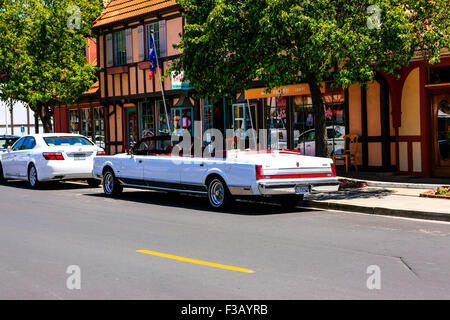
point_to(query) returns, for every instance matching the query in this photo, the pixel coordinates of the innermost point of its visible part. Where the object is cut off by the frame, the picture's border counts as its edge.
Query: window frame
(161, 113)
(90, 143)
(18, 144)
(147, 36)
(148, 112)
(33, 144)
(123, 44)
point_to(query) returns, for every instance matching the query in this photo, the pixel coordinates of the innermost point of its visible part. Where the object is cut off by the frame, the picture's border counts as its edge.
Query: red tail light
(53, 156)
(258, 170)
(333, 169)
(101, 153)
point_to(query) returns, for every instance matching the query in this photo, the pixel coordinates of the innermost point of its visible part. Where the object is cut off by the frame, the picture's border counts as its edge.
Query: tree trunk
(320, 127)
(45, 115)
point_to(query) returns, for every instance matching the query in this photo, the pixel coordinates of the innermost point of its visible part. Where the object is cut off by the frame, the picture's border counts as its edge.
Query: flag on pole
(152, 58)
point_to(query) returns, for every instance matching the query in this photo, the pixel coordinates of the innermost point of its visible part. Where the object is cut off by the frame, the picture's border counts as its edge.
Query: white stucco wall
(19, 117)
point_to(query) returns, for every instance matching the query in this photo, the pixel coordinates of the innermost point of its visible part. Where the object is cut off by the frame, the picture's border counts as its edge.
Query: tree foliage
(229, 43)
(42, 51)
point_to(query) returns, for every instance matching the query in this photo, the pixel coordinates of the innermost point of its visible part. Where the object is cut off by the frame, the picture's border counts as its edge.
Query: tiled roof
(118, 10)
(94, 89)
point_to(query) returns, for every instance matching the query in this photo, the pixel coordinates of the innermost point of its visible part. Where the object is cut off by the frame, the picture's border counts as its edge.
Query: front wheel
(33, 180)
(290, 201)
(111, 186)
(218, 194)
(2, 177)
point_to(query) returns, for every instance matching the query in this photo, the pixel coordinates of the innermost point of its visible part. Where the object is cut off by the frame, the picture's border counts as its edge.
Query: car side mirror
(9, 149)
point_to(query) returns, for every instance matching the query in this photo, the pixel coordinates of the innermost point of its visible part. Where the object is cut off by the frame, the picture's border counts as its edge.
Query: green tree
(42, 52)
(229, 43)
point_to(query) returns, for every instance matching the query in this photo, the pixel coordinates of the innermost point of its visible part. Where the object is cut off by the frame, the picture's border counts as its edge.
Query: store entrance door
(132, 127)
(182, 120)
(440, 128)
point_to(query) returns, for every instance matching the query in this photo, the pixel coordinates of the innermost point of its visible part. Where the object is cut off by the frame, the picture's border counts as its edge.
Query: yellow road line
(206, 263)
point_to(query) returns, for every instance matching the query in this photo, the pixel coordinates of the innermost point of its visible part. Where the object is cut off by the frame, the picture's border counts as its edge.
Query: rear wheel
(290, 201)
(111, 186)
(2, 177)
(93, 183)
(218, 194)
(33, 180)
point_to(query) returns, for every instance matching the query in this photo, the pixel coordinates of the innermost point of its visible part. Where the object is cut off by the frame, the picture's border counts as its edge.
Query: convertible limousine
(153, 164)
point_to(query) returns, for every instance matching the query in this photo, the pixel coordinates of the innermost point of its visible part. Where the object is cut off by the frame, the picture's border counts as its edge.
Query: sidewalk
(392, 198)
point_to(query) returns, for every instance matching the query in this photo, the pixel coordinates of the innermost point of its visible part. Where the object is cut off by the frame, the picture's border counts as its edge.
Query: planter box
(431, 194)
(352, 184)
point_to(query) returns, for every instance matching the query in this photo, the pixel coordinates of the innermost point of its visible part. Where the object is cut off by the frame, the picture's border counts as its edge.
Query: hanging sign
(178, 82)
(292, 90)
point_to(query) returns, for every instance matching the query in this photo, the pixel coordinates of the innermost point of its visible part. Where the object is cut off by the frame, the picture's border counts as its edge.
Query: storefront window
(182, 120)
(443, 129)
(303, 122)
(303, 125)
(208, 117)
(214, 116)
(335, 119)
(86, 122)
(99, 126)
(208, 122)
(148, 119)
(439, 75)
(132, 126)
(163, 126)
(74, 121)
(244, 118)
(85, 127)
(277, 125)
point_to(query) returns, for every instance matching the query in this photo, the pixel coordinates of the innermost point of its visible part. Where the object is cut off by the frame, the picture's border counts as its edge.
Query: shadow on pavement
(390, 177)
(195, 202)
(52, 185)
(360, 193)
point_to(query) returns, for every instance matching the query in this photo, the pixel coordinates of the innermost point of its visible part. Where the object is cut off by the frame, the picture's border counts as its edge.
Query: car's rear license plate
(79, 157)
(301, 189)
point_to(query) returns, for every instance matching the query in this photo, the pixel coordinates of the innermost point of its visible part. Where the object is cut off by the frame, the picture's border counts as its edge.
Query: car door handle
(140, 161)
(202, 164)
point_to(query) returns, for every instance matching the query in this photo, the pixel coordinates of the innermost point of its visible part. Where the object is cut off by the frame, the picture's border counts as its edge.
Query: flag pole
(162, 87)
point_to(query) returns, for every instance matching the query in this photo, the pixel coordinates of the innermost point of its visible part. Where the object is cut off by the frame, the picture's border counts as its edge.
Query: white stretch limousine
(153, 164)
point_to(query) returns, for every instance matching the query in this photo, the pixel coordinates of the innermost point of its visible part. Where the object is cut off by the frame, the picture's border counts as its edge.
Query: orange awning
(291, 90)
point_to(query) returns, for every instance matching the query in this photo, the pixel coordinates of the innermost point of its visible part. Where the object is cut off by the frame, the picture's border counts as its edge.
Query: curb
(384, 184)
(377, 210)
(401, 185)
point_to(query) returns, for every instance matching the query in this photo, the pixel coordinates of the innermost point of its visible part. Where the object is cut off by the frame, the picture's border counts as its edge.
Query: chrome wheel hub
(33, 176)
(108, 183)
(216, 193)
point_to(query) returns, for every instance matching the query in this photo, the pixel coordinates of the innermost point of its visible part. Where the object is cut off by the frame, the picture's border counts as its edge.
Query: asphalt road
(303, 254)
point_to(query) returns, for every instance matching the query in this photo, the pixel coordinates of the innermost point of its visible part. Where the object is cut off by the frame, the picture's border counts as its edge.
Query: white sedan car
(153, 164)
(49, 157)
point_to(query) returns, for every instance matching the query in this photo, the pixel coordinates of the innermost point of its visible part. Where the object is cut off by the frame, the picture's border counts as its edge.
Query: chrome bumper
(277, 188)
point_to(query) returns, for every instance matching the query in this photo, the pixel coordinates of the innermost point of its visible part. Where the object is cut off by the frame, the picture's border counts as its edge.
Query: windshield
(6, 142)
(67, 141)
